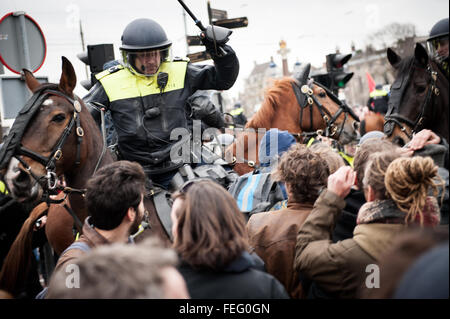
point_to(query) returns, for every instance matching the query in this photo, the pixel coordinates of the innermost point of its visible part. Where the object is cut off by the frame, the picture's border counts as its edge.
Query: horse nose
(22, 182)
(355, 125)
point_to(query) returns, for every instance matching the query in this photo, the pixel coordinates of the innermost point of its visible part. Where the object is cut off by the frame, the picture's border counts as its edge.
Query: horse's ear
(30, 80)
(393, 57)
(421, 54)
(68, 79)
(303, 74)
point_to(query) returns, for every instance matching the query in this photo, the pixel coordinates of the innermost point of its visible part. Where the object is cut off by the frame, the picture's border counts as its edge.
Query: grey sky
(311, 29)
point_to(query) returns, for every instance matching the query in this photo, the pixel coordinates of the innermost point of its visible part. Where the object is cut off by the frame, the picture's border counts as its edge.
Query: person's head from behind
(364, 150)
(115, 195)
(379, 87)
(304, 172)
(120, 271)
(408, 182)
(208, 228)
(374, 175)
(145, 46)
(273, 145)
(333, 159)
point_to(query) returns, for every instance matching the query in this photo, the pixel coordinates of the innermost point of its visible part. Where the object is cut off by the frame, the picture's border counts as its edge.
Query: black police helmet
(144, 34)
(440, 29)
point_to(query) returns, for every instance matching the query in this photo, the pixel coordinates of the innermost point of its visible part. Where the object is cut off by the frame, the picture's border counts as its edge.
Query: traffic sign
(13, 96)
(232, 23)
(22, 42)
(193, 40)
(199, 56)
(217, 14)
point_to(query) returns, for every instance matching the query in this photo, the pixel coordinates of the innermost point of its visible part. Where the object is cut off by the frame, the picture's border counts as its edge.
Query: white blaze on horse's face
(20, 184)
(47, 102)
(12, 172)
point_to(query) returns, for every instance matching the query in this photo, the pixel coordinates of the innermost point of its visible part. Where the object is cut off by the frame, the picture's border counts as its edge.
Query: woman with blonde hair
(340, 269)
(408, 181)
(210, 238)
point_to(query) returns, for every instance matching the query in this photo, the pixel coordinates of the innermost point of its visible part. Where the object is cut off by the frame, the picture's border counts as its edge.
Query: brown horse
(298, 106)
(60, 140)
(371, 122)
(419, 97)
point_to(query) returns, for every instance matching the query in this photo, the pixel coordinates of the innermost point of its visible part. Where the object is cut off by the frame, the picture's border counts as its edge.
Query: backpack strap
(163, 211)
(245, 197)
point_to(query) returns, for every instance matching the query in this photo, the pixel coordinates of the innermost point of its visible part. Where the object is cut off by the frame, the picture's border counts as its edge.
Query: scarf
(386, 211)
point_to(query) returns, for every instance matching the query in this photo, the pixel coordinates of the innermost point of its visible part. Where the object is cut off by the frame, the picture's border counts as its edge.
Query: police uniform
(132, 98)
(438, 36)
(238, 116)
(380, 99)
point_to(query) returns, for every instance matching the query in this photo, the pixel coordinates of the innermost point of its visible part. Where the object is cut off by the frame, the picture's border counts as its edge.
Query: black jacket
(347, 220)
(380, 104)
(242, 279)
(144, 136)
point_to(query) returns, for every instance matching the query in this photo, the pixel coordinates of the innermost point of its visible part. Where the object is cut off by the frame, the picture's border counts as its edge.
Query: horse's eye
(58, 118)
(420, 89)
(322, 94)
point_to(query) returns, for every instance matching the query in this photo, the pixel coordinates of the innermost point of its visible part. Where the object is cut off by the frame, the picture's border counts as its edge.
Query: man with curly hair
(273, 234)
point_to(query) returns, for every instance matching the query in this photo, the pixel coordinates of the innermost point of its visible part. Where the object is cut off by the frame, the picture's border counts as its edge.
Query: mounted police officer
(378, 100)
(147, 92)
(438, 44)
(239, 117)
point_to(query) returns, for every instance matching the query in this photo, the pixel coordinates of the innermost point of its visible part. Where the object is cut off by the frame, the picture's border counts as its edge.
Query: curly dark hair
(112, 190)
(305, 171)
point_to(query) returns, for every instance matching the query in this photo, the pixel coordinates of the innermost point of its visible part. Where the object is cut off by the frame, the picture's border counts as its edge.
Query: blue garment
(273, 144)
(428, 277)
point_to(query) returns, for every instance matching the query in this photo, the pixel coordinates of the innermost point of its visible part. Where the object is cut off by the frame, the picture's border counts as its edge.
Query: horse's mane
(272, 97)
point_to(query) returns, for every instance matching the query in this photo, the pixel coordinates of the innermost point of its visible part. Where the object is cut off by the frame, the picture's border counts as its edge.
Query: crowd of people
(341, 230)
(339, 224)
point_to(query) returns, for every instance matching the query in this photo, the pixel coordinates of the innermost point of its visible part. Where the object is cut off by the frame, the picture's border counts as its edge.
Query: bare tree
(392, 34)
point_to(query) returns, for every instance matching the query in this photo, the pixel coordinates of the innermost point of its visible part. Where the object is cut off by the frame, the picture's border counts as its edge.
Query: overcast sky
(312, 29)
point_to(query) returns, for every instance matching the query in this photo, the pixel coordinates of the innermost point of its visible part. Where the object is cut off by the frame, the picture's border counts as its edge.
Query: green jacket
(339, 268)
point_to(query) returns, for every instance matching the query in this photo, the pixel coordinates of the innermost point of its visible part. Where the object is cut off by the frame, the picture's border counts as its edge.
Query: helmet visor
(438, 47)
(147, 62)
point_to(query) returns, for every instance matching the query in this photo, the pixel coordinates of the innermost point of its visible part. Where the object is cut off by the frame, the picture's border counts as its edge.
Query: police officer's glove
(198, 112)
(203, 109)
(214, 39)
(215, 51)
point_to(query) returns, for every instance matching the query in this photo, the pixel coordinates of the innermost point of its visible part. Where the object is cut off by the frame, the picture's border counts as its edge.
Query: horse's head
(412, 95)
(321, 111)
(47, 146)
(332, 117)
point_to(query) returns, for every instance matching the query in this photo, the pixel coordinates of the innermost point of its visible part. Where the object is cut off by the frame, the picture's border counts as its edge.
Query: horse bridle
(305, 97)
(393, 119)
(50, 162)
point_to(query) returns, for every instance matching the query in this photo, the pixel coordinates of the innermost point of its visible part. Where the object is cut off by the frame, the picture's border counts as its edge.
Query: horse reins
(392, 119)
(50, 162)
(305, 97)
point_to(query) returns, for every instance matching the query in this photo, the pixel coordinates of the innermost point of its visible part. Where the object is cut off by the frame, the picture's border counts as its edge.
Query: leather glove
(211, 47)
